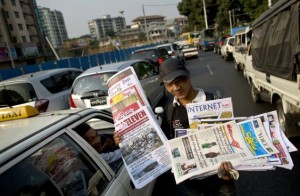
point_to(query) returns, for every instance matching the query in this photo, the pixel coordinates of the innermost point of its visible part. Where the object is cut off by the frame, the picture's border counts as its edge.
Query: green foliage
(243, 12)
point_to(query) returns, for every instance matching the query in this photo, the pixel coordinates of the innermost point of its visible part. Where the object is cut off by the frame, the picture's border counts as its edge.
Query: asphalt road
(213, 74)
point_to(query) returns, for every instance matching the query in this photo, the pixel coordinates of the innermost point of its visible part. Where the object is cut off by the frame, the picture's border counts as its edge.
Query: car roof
(112, 67)
(162, 45)
(16, 135)
(37, 75)
(144, 49)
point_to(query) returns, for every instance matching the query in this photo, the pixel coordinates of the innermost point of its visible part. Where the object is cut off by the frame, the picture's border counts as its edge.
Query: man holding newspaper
(176, 79)
(201, 138)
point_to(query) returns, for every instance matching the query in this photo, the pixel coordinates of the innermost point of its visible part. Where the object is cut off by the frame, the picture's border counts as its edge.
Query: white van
(241, 44)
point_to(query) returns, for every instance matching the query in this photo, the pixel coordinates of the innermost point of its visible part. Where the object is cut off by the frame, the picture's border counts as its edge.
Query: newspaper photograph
(203, 151)
(219, 108)
(143, 145)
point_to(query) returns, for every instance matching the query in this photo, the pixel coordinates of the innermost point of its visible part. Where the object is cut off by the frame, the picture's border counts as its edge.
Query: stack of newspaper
(144, 145)
(253, 143)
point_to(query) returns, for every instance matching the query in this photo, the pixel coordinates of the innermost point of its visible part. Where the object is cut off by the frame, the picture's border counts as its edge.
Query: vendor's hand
(117, 138)
(226, 167)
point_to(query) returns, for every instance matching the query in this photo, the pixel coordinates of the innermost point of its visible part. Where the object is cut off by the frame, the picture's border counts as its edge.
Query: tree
(217, 11)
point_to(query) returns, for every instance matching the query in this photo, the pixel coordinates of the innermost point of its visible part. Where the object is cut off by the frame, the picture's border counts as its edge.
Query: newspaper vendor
(176, 79)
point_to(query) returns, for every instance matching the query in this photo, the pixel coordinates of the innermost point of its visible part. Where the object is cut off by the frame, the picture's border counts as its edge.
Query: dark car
(218, 43)
(155, 55)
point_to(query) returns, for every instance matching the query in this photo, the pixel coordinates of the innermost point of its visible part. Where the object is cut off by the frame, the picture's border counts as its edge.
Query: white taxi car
(44, 155)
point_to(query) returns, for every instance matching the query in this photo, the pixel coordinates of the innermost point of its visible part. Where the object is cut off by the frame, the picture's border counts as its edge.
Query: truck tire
(282, 118)
(255, 94)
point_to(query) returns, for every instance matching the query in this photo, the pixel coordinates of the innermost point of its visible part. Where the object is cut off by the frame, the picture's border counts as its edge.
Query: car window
(59, 168)
(168, 48)
(144, 70)
(147, 54)
(164, 53)
(91, 83)
(104, 144)
(59, 82)
(15, 94)
(176, 47)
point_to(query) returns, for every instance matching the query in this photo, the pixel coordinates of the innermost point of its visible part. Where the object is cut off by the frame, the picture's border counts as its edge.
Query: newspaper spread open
(203, 151)
(197, 153)
(142, 141)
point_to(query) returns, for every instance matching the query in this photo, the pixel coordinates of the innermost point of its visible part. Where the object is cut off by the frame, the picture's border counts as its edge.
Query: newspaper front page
(143, 144)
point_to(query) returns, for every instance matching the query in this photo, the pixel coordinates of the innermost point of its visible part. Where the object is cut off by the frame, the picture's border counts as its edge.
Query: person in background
(102, 143)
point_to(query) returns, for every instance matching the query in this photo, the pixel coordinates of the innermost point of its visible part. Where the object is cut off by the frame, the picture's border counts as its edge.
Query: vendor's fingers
(226, 165)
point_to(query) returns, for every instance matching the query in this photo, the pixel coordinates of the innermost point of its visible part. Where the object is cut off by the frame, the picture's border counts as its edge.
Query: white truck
(273, 62)
(242, 40)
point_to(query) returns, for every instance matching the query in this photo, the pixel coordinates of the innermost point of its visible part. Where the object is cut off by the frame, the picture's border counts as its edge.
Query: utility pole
(145, 24)
(230, 22)
(204, 9)
(52, 48)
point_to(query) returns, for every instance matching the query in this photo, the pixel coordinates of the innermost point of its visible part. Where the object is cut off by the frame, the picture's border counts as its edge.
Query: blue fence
(82, 63)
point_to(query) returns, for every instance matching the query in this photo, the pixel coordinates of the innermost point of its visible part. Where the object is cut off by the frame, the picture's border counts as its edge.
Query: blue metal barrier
(64, 63)
(48, 65)
(30, 69)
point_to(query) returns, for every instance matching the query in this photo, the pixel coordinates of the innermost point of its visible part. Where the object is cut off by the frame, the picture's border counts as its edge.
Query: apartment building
(101, 27)
(20, 36)
(53, 26)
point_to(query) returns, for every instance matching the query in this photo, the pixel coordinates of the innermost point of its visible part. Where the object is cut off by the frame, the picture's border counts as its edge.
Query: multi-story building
(101, 27)
(20, 36)
(53, 26)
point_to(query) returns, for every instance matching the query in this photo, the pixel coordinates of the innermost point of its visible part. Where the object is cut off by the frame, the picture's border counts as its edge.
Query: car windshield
(16, 94)
(91, 83)
(145, 54)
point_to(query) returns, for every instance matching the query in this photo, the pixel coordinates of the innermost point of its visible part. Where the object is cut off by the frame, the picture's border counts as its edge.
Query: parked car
(90, 89)
(227, 48)
(46, 90)
(189, 50)
(44, 155)
(174, 51)
(218, 43)
(155, 55)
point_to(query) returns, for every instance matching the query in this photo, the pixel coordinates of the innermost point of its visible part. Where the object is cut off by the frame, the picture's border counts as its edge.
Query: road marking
(218, 93)
(209, 69)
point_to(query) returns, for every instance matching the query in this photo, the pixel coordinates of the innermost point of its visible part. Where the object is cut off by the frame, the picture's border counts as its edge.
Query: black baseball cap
(171, 69)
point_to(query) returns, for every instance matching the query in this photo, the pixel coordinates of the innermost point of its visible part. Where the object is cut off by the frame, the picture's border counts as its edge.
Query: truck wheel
(281, 117)
(255, 94)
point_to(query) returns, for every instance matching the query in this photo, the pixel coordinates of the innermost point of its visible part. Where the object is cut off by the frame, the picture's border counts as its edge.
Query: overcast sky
(77, 13)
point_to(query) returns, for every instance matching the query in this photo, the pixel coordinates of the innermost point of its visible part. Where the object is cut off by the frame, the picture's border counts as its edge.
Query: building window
(6, 14)
(17, 15)
(20, 26)
(24, 39)
(10, 27)
(13, 2)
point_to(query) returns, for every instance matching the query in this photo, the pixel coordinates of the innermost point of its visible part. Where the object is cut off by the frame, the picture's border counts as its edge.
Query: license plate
(98, 101)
